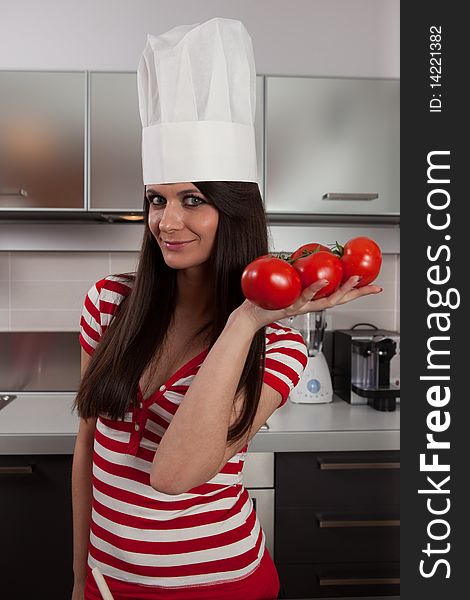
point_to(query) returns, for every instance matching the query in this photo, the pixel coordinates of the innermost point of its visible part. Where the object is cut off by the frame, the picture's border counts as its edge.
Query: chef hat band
(197, 101)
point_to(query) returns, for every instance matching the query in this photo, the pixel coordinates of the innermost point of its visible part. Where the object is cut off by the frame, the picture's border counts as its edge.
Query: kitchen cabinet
(337, 523)
(258, 477)
(115, 142)
(332, 146)
(36, 513)
(42, 140)
(259, 131)
(44, 118)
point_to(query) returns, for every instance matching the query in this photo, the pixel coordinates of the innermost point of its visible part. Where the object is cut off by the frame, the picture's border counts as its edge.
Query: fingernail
(324, 282)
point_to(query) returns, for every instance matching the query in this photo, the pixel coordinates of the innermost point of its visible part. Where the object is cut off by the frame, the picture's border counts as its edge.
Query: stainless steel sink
(5, 399)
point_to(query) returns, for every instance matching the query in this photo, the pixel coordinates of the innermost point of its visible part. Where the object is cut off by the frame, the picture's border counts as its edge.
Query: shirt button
(162, 388)
(136, 427)
(141, 405)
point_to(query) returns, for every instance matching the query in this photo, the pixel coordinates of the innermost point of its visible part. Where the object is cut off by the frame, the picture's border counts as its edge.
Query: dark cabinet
(338, 580)
(337, 523)
(36, 525)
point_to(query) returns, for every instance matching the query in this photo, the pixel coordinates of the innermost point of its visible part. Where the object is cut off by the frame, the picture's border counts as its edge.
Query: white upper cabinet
(115, 142)
(332, 146)
(42, 140)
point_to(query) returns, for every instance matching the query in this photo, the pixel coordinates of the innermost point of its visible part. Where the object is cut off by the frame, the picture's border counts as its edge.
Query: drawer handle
(26, 470)
(324, 523)
(348, 196)
(359, 466)
(325, 581)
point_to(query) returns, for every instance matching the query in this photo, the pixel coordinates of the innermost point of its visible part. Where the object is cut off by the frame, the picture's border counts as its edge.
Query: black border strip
(443, 570)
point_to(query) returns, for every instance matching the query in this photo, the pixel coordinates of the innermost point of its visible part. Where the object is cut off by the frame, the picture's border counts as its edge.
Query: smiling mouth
(176, 245)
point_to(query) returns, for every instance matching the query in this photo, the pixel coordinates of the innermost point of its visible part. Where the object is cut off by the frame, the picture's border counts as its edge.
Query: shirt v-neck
(177, 375)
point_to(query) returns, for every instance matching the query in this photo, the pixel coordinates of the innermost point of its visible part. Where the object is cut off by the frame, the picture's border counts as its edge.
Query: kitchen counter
(334, 426)
(43, 423)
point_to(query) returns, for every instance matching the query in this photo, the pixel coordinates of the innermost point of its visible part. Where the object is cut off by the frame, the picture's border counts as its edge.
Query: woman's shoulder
(107, 293)
(278, 332)
(280, 328)
(101, 304)
(115, 287)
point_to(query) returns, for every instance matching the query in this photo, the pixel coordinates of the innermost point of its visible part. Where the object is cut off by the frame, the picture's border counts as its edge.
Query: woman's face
(183, 222)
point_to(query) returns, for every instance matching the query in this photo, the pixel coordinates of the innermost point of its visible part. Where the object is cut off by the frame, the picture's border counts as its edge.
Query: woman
(171, 518)
(179, 372)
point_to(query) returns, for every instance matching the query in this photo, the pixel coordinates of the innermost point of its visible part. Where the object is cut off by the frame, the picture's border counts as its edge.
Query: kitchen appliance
(366, 366)
(315, 385)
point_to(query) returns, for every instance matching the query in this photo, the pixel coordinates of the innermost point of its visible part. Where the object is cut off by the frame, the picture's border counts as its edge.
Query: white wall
(342, 38)
(349, 38)
(44, 291)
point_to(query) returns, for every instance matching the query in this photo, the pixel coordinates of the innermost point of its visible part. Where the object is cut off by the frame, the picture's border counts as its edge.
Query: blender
(315, 385)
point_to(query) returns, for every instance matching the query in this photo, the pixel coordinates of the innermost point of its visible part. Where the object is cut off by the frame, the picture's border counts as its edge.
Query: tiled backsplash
(44, 291)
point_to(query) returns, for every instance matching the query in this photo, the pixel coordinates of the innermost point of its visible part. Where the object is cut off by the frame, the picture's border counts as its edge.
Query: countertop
(43, 423)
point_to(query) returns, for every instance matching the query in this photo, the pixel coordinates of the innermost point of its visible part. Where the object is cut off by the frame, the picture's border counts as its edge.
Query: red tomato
(271, 283)
(361, 256)
(308, 248)
(320, 265)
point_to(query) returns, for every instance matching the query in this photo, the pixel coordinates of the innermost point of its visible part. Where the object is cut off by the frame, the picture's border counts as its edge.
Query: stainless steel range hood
(50, 216)
(277, 218)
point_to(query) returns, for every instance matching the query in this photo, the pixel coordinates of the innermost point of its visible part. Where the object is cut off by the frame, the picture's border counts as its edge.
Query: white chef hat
(197, 100)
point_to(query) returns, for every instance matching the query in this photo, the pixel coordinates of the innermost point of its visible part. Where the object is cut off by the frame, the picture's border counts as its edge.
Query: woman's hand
(259, 317)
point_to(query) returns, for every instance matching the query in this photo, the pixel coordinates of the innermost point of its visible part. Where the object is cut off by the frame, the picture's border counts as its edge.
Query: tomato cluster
(274, 283)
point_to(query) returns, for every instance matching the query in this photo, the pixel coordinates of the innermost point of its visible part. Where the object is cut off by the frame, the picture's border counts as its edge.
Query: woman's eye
(189, 200)
(155, 200)
(195, 200)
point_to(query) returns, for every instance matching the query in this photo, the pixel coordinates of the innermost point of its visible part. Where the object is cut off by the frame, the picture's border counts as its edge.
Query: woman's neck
(195, 293)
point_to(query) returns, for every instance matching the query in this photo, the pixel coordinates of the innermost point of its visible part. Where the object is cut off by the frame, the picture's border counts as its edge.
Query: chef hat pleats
(197, 103)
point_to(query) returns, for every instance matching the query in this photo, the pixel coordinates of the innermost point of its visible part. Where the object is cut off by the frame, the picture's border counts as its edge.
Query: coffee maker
(366, 366)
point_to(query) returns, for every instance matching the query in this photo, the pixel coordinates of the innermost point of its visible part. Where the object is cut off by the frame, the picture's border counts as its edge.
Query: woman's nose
(171, 218)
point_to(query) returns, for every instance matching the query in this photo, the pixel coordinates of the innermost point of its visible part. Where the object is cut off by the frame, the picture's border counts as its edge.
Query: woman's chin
(182, 263)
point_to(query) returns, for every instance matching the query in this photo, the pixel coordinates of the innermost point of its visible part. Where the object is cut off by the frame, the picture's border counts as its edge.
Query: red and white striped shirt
(210, 534)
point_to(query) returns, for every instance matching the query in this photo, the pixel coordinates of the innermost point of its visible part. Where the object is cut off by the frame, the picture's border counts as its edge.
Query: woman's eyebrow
(193, 191)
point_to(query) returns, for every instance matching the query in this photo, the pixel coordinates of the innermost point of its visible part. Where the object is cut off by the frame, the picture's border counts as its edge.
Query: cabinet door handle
(325, 581)
(326, 465)
(13, 192)
(346, 523)
(23, 470)
(348, 196)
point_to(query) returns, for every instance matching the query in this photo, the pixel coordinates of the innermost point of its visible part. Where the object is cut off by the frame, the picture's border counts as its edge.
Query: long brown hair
(137, 332)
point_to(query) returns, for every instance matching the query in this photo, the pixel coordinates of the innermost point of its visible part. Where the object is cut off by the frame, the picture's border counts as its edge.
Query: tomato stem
(337, 249)
(303, 255)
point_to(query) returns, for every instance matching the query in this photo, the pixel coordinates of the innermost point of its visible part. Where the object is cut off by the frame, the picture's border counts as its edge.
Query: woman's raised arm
(195, 443)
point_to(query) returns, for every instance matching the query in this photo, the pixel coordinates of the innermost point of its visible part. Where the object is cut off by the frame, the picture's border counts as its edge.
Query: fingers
(345, 293)
(309, 292)
(357, 293)
(334, 298)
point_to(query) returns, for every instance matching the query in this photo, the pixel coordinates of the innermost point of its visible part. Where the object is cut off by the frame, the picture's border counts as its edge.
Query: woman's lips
(176, 245)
